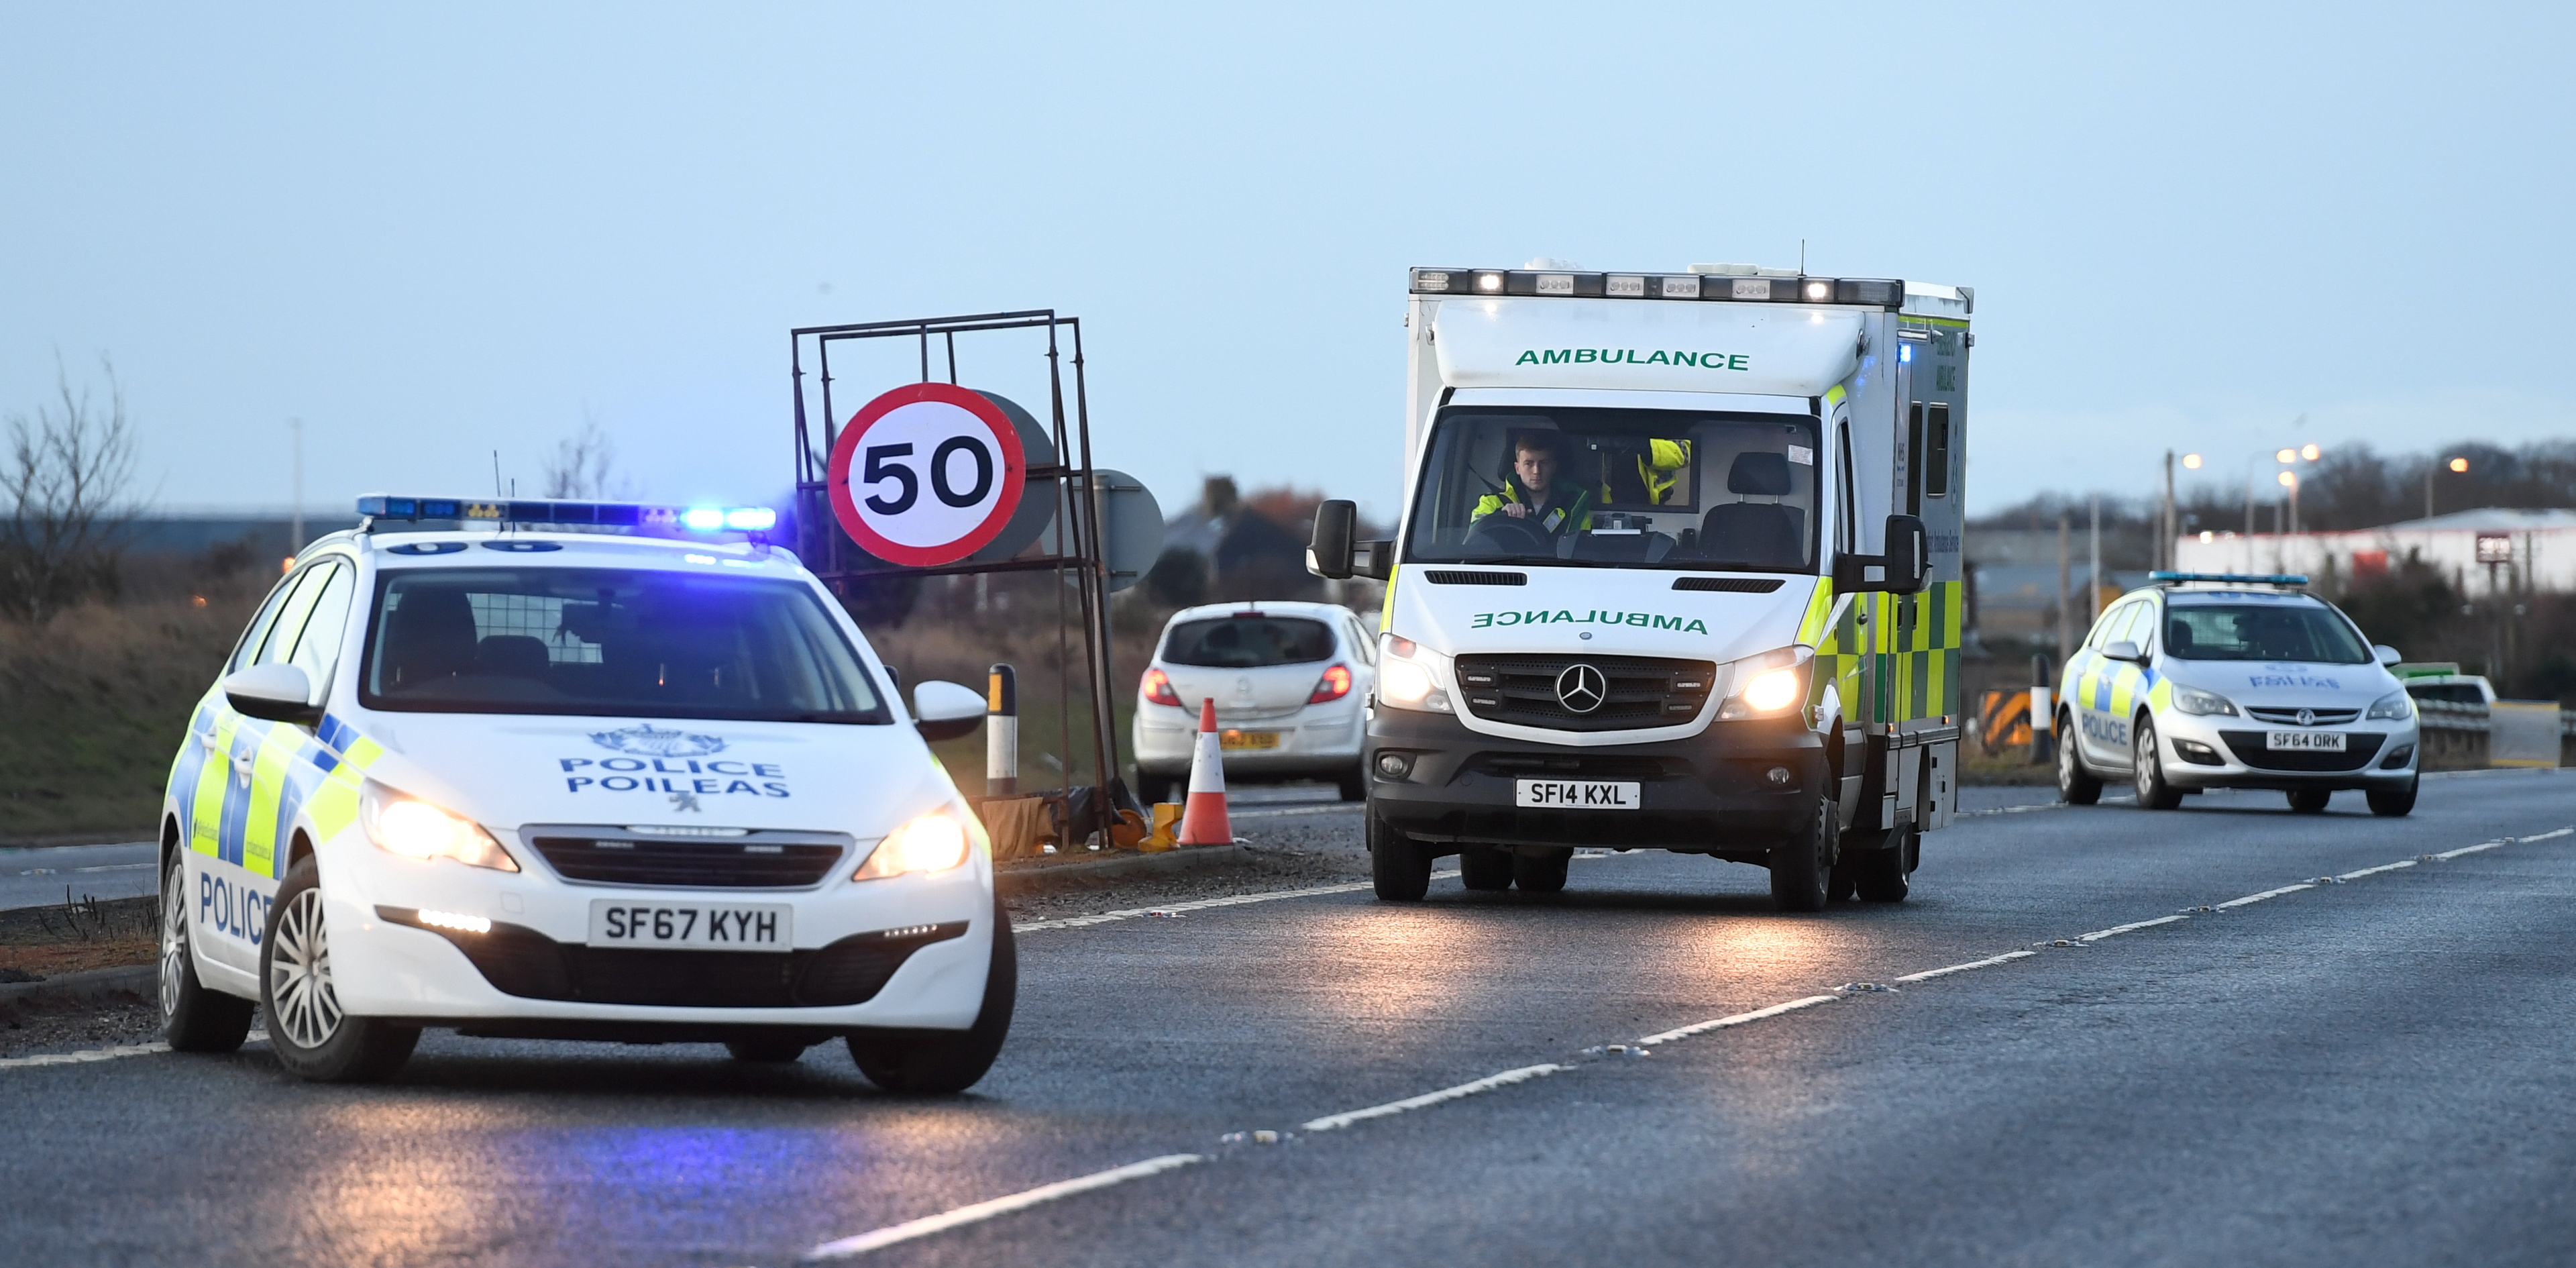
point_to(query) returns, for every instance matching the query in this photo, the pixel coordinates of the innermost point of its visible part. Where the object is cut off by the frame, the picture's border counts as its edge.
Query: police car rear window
(626, 643)
(2227, 632)
(1248, 642)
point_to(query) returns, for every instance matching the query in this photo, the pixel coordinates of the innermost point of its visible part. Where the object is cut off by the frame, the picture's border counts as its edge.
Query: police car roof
(447, 546)
(2188, 598)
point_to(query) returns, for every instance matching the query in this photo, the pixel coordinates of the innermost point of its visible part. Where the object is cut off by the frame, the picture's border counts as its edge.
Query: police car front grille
(2290, 717)
(2359, 748)
(1642, 691)
(520, 961)
(756, 860)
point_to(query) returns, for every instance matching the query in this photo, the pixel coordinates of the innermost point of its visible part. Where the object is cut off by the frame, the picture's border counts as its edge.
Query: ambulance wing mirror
(946, 711)
(1329, 554)
(1375, 560)
(1907, 562)
(272, 693)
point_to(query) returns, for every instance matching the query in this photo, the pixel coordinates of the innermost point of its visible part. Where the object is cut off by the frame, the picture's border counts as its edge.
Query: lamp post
(2457, 466)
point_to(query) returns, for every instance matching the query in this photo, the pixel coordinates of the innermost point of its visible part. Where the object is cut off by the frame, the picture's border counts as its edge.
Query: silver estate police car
(574, 770)
(2204, 681)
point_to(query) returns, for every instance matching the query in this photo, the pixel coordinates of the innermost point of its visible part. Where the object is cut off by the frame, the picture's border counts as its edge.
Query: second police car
(642, 779)
(2202, 681)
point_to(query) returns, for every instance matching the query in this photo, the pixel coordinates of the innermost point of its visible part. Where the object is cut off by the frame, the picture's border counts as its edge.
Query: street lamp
(2290, 480)
(2457, 466)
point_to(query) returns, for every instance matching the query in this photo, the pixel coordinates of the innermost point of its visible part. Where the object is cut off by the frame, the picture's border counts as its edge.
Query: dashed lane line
(1987, 963)
(1335, 1122)
(1740, 1019)
(2116, 930)
(2251, 899)
(2470, 849)
(1232, 900)
(88, 1055)
(981, 1211)
(2374, 871)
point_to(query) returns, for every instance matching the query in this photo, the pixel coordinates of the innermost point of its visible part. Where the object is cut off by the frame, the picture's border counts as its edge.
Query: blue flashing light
(1905, 352)
(704, 519)
(751, 519)
(2230, 578)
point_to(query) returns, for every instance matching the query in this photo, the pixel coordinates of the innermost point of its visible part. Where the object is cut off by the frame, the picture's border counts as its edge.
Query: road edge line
(978, 1212)
(1335, 1122)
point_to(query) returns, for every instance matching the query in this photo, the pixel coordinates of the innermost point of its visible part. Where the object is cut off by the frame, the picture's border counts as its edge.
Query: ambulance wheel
(944, 1062)
(1880, 875)
(2076, 786)
(313, 1038)
(2393, 803)
(1541, 873)
(1484, 867)
(1399, 866)
(2148, 757)
(1840, 887)
(193, 1019)
(1802, 867)
(2310, 801)
(767, 1049)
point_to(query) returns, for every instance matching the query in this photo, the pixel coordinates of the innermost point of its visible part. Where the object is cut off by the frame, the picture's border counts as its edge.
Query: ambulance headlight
(1408, 677)
(2395, 707)
(1769, 684)
(416, 829)
(934, 842)
(2193, 700)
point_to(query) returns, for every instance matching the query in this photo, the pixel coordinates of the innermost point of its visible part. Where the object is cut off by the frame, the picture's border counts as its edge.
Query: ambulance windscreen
(610, 642)
(1652, 488)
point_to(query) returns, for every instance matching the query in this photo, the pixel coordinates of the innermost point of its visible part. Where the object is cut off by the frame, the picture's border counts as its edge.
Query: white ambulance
(578, 770)
(1678, 569)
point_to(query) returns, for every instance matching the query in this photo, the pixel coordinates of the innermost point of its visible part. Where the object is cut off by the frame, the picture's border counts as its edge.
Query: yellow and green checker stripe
(1914, 642)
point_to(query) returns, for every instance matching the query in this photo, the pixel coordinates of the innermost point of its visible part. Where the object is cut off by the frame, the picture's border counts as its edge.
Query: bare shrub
(67, 475)
(584, 466)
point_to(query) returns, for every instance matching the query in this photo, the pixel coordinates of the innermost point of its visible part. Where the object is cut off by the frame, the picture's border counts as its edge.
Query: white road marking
(1334, 1122)
(105, 1054)
(1298, 810)
(878, 1239)
(2269, 893)
(2374, 871)
(2116, 930)
(1201, 904)
(2472, 849)
(2546, 836)
(1739, 1019)
(1987, 963)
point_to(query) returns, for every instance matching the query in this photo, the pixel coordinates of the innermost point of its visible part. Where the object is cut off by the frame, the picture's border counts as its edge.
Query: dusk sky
(436, 233)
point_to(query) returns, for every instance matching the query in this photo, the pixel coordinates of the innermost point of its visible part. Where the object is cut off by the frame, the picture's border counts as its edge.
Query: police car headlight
(2396, 706)
(416, 829)
(934, 842)
(2204, 703)
(1770, 683)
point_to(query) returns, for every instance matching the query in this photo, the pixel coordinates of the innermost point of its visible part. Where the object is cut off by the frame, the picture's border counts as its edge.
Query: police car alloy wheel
(2153, 792)
(193, 1019)
(941, 1062)
(313, 1037)
(1803, 865)
(2076, 786)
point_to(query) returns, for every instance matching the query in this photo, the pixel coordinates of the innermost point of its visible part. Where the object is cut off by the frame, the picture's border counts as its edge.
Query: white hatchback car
(1289, 681)
(470, 769)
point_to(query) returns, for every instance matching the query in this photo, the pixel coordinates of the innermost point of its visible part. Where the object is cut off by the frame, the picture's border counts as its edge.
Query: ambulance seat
(428, 637)
(1756, 534)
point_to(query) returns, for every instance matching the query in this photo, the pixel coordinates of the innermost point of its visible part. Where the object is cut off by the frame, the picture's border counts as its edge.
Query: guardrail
(2510, 733)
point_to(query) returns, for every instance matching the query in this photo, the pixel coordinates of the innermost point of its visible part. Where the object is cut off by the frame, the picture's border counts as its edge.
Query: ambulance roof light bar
(381, 507)
(1729, 288)
(2227, 578)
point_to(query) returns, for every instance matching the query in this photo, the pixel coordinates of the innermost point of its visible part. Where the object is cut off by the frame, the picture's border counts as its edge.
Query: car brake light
(1158, 688)
(1335, 684)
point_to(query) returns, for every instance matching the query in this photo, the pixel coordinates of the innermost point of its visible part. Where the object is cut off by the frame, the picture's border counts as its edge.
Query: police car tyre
(312, 1037)
(1399, 866)
(2310, 801)
(2392, 803)
(773, 1049)
(2076, 786)
(1541, 873)
(193, 1018)
(1353, 784)
(1802, 866)
(1879, 876)
(945, 1062)
(2154, 793)
(1485, 867)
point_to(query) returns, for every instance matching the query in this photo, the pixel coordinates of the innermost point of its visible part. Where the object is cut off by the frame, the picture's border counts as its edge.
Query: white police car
(472, 766)
(2223, 681)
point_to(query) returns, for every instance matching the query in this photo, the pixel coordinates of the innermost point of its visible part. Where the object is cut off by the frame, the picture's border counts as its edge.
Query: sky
(433, 233)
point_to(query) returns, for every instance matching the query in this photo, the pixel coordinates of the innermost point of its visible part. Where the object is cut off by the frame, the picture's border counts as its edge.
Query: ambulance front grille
(752, 860)
(1640, 691)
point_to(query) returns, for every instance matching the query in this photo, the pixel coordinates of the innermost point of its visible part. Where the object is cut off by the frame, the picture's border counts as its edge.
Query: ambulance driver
(1534, 493)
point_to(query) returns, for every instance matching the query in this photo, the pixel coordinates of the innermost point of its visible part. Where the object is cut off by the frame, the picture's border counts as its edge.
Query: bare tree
(583, 466)
(68, 473)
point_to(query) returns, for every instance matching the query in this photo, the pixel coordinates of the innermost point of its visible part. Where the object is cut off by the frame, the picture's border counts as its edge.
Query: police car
(2223, 681)
(583, 770)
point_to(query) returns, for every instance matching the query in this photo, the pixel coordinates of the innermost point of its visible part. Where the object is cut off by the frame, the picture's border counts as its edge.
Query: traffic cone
(1203, 820)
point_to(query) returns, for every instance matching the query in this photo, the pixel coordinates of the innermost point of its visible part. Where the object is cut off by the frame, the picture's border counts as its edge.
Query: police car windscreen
(1248, 642)
(2226, 632)
(1655, 488)
(611, 642)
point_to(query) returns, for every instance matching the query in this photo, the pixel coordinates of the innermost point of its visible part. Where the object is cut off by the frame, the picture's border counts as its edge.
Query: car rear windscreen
(2215, 631)
(1248, 642)
(611, 642)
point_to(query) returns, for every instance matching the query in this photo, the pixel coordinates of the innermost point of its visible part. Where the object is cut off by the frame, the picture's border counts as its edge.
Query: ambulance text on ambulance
(1562, 616)
(1629, 356)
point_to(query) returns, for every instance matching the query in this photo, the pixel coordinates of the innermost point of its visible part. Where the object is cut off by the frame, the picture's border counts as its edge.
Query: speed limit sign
(926, 474)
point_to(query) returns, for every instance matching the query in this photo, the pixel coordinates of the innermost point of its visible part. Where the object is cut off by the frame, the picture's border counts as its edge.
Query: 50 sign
(938, 472)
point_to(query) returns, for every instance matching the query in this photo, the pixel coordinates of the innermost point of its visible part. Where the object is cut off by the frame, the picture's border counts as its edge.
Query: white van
(574, 770)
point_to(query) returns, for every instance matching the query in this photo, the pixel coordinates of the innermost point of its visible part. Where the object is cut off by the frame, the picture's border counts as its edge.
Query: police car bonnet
(1601, 343)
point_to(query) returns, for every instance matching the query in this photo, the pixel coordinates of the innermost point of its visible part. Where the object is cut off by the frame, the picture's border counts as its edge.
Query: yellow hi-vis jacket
(1570, 507)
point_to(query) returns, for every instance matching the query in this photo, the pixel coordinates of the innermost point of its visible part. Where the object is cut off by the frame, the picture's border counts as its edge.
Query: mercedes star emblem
(1581, 688)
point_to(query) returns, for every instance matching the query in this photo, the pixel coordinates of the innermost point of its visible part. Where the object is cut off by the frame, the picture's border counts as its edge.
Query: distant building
(2490, 550)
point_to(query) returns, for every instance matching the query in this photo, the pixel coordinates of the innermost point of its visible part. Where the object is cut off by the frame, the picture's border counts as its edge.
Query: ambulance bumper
(1712, 793)
(533, 972)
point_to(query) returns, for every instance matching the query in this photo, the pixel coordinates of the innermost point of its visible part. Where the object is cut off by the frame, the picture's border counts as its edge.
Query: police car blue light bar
(2229, 578)
(701, 519)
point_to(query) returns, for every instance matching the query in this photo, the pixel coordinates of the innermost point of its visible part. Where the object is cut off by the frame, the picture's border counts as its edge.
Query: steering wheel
(1505, 535)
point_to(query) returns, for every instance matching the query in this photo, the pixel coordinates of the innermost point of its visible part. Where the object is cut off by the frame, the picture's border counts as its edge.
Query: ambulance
(574, 770)
(1678, 569)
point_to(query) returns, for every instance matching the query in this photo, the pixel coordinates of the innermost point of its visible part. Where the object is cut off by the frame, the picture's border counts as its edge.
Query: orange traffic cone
(1203, 820)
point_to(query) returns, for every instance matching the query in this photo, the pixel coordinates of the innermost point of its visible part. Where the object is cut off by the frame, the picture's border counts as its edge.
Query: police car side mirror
(2387, 655)
(2123, 649)
(1329, 553)
(946, 711)
(274, 693)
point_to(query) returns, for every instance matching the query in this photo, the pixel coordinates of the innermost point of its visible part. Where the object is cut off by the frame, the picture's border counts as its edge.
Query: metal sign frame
(1077, 548)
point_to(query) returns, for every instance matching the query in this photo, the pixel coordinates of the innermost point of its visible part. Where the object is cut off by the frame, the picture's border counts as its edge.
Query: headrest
(1766, 474)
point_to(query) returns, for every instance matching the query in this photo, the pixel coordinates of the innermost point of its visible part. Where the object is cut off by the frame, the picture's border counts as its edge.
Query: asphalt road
(39, 877)
(2377, 1070)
